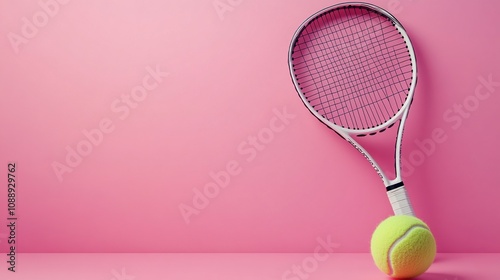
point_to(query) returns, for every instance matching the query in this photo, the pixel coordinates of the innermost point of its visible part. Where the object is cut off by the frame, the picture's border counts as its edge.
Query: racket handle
(399, 200)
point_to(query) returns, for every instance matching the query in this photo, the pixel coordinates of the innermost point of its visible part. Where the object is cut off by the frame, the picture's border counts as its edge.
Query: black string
(353, 66)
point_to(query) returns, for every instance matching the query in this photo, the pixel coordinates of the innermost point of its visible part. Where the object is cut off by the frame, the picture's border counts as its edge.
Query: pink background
(228, 75)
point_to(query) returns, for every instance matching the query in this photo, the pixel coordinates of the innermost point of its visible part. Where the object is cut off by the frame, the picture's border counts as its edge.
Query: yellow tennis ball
(403, 246)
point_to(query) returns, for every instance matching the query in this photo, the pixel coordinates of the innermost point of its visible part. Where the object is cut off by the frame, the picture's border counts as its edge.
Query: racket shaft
(400, 202)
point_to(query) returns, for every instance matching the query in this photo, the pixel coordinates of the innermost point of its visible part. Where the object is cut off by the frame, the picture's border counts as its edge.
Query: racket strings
(363, 68)
(367, 114)
(396, 37)
(365, 117)
(402, 51)
(353, 66)
(348, 20)
(305, 84)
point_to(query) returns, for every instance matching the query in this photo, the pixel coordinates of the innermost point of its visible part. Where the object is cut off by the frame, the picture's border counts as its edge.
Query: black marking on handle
(395, 186)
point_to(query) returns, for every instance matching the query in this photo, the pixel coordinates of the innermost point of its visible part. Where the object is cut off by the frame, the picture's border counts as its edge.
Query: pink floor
(236, 266)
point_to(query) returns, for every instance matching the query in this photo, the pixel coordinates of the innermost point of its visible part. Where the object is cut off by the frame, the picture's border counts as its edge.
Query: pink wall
(162, 137)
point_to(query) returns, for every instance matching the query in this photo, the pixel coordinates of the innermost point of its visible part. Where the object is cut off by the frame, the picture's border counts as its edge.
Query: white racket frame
(395, 188)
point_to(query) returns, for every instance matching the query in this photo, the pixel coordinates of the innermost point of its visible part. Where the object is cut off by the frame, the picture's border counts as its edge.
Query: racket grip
(400, 201)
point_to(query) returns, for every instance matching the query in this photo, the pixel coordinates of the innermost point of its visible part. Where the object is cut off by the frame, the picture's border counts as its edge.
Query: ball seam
(396, 242)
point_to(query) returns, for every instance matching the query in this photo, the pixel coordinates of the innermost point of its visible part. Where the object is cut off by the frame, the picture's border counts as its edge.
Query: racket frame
(395, 188)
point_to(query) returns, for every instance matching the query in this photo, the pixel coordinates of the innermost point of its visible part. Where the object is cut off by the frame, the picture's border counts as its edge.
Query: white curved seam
(389, 264)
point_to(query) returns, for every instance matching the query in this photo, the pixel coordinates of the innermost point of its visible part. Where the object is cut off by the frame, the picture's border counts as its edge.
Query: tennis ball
(403, 246)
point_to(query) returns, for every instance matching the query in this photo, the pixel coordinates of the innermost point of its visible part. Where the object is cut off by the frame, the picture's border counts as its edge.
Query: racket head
(354, 67)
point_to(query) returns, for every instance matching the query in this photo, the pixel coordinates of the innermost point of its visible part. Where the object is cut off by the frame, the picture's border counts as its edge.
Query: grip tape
(399, 200)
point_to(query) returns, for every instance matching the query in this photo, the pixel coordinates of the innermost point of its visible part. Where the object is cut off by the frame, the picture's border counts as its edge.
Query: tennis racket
(354, 67)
